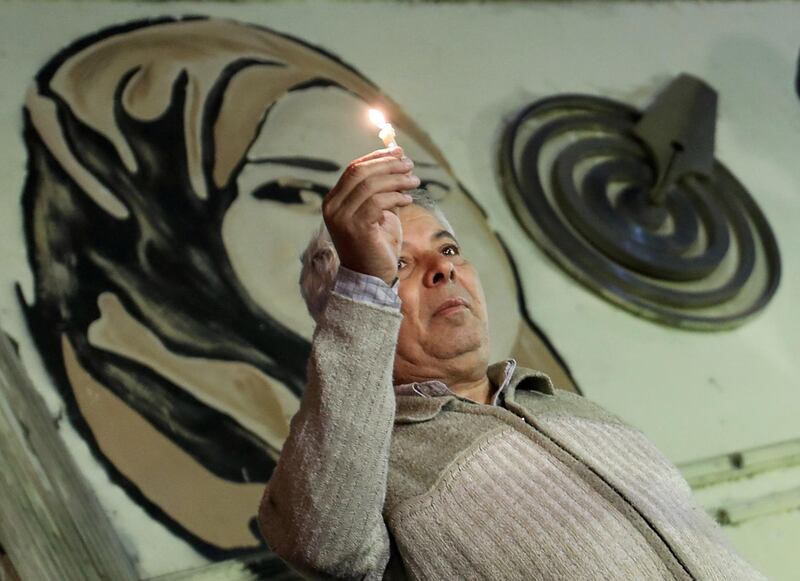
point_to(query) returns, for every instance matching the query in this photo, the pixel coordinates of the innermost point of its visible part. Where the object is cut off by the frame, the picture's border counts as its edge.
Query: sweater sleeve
(322, 507)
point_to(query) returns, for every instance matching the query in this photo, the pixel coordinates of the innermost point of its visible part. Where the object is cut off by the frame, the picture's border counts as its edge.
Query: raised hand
(360, 212)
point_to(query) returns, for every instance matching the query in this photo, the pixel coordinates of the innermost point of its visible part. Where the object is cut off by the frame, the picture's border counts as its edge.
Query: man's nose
(440, 271)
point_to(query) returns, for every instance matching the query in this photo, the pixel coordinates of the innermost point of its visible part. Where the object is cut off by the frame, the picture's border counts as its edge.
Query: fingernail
(408, 163)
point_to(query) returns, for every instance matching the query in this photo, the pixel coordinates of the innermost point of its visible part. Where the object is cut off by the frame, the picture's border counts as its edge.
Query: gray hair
(321, 262)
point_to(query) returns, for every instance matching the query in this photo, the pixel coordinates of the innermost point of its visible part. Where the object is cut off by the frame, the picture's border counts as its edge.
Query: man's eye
(451, 250)
(401, 264)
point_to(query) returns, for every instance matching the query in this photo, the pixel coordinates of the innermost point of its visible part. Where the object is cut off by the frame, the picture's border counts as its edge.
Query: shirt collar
(435, 388)
(421, 401)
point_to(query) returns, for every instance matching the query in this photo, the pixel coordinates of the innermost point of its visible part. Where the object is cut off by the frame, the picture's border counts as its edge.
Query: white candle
(386, 133)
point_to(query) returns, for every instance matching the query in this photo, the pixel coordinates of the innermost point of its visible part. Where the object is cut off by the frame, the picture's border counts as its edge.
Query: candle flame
(377, 118)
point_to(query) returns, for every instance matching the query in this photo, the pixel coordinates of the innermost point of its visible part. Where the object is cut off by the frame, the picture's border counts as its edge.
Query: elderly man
(411, 457)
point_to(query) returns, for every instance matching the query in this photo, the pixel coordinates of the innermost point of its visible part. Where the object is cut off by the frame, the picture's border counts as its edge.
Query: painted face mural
(176, 173)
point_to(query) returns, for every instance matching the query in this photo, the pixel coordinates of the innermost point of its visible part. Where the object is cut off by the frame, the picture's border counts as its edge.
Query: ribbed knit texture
(550, 487)
(657, 489)
(509, 510)
(321, 510)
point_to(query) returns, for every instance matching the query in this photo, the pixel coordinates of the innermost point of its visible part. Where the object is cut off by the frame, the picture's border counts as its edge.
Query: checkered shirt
(366, 288)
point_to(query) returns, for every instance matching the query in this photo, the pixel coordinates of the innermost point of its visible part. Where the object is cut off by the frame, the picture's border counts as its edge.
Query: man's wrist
(366, 288)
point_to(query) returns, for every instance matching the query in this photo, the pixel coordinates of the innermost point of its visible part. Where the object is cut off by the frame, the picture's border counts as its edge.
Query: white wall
(460, 70)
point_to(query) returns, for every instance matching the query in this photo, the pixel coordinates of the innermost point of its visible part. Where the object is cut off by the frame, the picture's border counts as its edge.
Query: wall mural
(176, 170)
(634, 205)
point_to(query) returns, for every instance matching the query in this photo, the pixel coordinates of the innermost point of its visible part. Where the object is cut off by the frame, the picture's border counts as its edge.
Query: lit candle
(386, 134)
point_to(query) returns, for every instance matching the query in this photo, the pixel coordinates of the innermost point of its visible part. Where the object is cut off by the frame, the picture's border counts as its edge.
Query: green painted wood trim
(736, 465)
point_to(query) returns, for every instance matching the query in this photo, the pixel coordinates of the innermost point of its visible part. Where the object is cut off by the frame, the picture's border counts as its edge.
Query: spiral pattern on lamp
(700, 255)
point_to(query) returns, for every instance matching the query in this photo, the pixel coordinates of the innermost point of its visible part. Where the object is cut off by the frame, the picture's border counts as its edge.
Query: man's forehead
(420, 238)
(421, 226)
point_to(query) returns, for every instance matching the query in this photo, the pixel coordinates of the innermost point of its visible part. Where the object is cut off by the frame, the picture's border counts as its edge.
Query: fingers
(362, 178)
(390, 200)
(358, 172)
(360, 211)
(378, 153)
(374, 186)
(371, 211)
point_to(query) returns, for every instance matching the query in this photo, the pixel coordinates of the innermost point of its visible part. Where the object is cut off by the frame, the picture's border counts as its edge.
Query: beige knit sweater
(545, 487)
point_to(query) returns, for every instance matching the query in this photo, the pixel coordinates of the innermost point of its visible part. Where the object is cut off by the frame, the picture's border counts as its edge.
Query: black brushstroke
(171, 244)
(288, 193)
(312, 163)
(425, 164)
(14, 343)
(523, 310)
(424, 183)
(48, 344)
(317, 83)
(168, 266)
(797, 78)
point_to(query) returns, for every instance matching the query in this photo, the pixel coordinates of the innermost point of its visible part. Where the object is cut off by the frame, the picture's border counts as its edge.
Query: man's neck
(480, 391)
(466, 376)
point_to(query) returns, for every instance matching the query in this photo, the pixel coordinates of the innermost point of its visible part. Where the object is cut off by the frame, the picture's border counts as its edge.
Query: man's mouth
(451, 306)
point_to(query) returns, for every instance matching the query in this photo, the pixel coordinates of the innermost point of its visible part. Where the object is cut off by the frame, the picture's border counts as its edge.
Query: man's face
(445, 333)
(264, 234)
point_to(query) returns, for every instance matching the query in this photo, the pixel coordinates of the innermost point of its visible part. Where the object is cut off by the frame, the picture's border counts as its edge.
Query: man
(411, 457)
